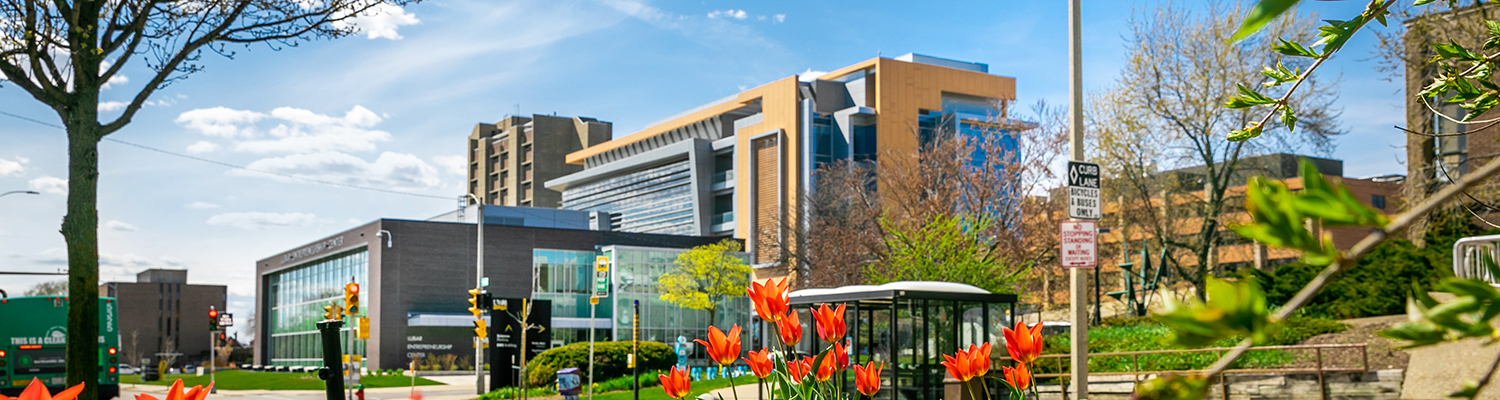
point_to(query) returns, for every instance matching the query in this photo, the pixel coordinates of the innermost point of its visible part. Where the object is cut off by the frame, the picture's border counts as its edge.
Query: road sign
(1078, 244)
(226, 319)
(601, 276)
(1083, 191)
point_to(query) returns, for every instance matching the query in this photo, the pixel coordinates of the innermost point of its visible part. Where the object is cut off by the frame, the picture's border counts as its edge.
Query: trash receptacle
(569, 383)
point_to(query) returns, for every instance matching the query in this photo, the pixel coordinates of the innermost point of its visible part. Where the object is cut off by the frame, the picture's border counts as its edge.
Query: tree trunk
(80, 229)
(711, 313)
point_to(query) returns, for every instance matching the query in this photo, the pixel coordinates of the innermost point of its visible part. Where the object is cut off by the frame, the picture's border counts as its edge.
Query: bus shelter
(908, 326)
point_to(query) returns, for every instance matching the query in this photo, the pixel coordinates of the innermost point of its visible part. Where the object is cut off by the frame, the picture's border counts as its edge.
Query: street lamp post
(18, 192)
(479, 277)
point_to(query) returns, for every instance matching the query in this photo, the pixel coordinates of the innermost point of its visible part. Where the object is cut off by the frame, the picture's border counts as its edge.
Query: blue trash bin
(569, 383)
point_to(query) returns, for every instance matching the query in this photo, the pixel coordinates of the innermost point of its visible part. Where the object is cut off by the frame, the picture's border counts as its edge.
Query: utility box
(569, 383)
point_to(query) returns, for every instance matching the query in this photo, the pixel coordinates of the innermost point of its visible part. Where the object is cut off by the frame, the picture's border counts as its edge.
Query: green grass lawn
(244, 380)
(656, 393)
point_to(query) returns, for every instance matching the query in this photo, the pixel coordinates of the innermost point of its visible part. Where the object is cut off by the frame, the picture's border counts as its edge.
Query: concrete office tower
(161, 311)
(740, 166)
(509, 159)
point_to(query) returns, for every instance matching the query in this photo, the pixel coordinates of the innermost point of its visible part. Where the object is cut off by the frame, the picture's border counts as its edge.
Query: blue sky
(391, 107)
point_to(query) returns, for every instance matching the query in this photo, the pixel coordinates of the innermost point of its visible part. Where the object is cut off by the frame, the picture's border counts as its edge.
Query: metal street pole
(593, 307)
(18, 192)
(1078, 307)
(479, 276)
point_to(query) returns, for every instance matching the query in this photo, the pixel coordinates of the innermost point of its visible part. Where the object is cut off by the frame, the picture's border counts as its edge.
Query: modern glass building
(566, 278)
(297, 297)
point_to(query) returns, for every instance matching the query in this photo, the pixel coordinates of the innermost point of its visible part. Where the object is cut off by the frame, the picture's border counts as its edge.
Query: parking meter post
(332, 373)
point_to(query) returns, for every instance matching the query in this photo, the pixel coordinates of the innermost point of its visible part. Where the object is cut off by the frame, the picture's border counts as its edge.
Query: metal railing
(1466, 257)
(1317, 349)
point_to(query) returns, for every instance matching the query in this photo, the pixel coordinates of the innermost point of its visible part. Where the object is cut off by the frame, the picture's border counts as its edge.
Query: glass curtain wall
(656, 200)
(297, 298)
(566, 278)
(635, 272)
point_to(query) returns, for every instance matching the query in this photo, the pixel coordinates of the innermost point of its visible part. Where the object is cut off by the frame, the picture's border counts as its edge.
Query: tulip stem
(732, 387)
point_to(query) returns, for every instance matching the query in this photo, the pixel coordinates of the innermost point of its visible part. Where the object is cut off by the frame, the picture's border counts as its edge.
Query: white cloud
(198, 205)
(172, 261)
(202, 147)
(14, 167)
(809, 75)
(47, 184)
(116, 225)
(381, 21)
(452, 164)
(780, 18)
(730, 13)
(391, 170)
(254, 221)
(220, 121)
(111, 106)
(115, 80)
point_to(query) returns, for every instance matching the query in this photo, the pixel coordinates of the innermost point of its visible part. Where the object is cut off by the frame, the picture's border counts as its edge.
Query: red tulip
(958, 366)
(826, 368)
(37, 391)
(790, 329)
(771, 300)
(979, 359)
(867, 379)
(722, 349)
(1018, 377)
(677, 385)
(760, 363)
(1024, 345)
(840, 357)
(831, 325)
(799, 369)
(175, 393)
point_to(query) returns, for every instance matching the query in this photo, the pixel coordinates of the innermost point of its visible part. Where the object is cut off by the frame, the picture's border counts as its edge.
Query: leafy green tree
(62, 53)
(706, 277)
(54, 288)
(948, 248)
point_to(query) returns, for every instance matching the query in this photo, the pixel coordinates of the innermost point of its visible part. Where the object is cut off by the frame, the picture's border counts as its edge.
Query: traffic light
(223, 340)
(213, 319)
(351, 298)
(333, 311)
(476, 299)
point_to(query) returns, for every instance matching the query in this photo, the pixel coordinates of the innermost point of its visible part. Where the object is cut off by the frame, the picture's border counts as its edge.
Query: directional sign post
(1083, 191)
(1078, 244)
(601, 290)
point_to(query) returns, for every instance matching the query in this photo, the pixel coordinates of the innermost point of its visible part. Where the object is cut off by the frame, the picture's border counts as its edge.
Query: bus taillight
(2, 353)
(112, 351)
(111, 370)
(30, 347)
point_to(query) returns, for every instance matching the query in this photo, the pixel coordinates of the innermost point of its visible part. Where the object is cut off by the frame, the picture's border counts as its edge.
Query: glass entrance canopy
(930, 319)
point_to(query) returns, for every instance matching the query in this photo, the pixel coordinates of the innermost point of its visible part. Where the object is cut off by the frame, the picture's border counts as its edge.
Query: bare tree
(54, 288)
(1167, 111)
(63, 52)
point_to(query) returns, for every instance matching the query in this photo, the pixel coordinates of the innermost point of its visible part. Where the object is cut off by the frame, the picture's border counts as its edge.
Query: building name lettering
(315, 248)
(428, 346)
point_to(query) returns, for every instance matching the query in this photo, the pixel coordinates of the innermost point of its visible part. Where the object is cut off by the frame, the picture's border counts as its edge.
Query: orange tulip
(799, 369)
(760, 363)
(722, 349)
(770, 299)
(958, 366)
(831, 325)
(826, 368)
(677, 385)
(840, 357)
(979, 359)
(1024, 345)
(867, 379)
(1018, 377)
(175, 393)
(37, 391)
(790, 329)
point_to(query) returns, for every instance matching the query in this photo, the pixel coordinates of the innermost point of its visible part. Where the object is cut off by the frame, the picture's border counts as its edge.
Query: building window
(1377, 201)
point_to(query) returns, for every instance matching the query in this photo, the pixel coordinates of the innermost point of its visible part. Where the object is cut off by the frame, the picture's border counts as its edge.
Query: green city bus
(33, 344)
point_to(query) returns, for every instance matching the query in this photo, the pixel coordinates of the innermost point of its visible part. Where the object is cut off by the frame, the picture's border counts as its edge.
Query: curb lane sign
(1083, 191)
(601, 276)
(1078, 244)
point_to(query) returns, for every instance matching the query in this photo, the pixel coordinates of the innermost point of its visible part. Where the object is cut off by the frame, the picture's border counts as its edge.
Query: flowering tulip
(867, 378)
(175, 393)
(722, 349)
(826, 368)
(770, 299)
(959, 366)
(840, 357)
(1018, 377)
(979, 359)
(799, 369)
(831, 325)
(677, 384)
(1024, 344)
(37, 391)
(790, 329)
(760, 363)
